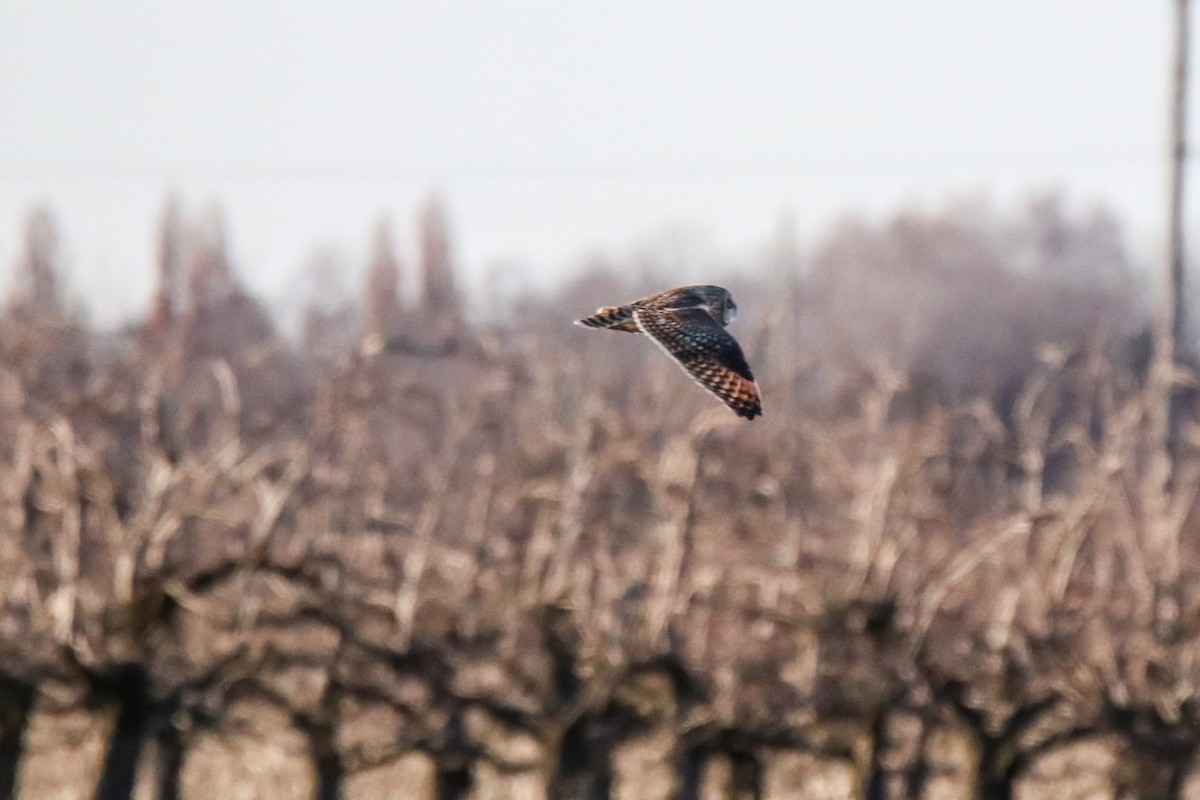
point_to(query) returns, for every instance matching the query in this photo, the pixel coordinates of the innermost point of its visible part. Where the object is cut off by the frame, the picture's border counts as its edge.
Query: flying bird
(688, 323)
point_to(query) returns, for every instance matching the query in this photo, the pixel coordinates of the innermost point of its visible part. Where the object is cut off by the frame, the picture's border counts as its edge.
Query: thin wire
(636, 169)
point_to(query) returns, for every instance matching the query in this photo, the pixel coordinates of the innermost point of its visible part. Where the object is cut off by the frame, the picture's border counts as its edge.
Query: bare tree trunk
(169, 762)
(454, 784)
(584, 769)
(16, 700)
(119, 775)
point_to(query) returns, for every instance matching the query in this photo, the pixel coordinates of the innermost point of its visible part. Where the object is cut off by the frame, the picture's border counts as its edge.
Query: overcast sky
(555, 130)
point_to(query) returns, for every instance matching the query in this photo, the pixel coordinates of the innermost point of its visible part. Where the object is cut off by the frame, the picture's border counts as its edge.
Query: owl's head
(730, 309)
(719, 302)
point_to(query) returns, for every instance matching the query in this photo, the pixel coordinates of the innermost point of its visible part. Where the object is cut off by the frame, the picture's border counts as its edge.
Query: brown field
(418, 555)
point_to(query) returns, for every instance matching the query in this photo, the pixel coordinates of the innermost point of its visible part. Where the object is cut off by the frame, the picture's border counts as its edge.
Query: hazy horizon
(558, 133)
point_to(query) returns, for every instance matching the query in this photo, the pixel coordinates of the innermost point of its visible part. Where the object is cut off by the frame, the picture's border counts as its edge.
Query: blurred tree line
(421, 553)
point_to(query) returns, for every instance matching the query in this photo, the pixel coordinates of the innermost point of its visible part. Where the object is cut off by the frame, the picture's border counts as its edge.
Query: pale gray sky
(557, 129)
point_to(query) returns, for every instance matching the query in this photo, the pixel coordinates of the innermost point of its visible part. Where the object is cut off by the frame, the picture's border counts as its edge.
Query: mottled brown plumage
(688, 323)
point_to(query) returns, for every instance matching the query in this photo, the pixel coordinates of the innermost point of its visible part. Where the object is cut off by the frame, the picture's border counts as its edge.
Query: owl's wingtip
(748, 407)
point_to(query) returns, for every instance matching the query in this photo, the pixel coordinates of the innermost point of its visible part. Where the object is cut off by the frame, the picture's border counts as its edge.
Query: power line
(629, 169)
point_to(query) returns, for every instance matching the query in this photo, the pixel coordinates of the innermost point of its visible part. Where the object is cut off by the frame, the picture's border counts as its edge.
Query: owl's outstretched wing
(617, 318)
(706, 352)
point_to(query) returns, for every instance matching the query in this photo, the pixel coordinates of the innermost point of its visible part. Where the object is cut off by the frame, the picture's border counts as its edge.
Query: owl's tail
(617, 318)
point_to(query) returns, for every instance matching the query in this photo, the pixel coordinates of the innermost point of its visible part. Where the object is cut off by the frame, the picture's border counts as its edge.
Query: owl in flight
(688, 323)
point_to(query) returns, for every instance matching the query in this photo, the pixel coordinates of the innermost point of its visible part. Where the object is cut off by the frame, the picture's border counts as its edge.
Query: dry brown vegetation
(418, 557)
